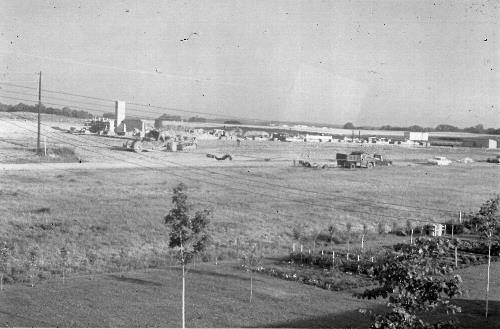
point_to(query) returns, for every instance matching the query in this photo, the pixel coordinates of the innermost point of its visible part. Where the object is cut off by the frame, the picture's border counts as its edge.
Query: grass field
(107, 213)
(216, 297)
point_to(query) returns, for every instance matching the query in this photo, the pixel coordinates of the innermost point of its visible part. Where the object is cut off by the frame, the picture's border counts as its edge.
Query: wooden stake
(411, 237)
(456, 257)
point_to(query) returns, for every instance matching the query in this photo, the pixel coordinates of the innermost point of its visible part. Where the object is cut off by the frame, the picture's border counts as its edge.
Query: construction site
(267, 164)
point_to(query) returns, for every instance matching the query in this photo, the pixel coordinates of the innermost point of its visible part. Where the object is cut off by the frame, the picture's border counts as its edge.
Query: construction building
(416, 136)
(480, 142)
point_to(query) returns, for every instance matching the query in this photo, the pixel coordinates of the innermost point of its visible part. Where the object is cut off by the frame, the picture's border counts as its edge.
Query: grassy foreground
(216, 297)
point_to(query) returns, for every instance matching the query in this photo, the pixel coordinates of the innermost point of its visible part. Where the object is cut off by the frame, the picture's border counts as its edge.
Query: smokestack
(119, 112)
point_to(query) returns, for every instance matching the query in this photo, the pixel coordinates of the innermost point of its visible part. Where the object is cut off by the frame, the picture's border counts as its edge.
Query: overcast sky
(369, 62)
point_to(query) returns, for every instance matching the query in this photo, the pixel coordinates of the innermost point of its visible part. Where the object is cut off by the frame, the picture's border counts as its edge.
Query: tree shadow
(134, 280)
(350, 319)
(243, 276)
(472, 316)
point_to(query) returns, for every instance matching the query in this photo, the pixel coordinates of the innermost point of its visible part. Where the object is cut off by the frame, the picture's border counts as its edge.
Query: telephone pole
(38, 151)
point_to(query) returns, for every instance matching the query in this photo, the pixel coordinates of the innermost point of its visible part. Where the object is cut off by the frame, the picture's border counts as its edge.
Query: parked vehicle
(381, 161)
(494, 160)
(361, 159)
(439, 161)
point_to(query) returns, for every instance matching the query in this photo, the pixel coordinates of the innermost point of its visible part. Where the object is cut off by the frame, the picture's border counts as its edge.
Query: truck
(361, 159)
(494, 160)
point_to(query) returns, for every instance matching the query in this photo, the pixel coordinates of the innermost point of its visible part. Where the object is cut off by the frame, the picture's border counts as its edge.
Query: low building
(318, 138)
(131, 124)
(168, 124)
(416, 136)
(256, 133)
(480, 142)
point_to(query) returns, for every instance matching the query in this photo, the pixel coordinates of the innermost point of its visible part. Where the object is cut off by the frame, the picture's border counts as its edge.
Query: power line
(280, 198)
(350, 200)
(316, 192)
(140, 104)
(146, 167)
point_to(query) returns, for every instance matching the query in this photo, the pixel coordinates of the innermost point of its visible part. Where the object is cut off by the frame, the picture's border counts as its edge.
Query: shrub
(457, 228)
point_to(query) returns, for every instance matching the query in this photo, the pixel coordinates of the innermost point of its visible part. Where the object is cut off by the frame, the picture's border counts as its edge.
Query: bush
(457, 228)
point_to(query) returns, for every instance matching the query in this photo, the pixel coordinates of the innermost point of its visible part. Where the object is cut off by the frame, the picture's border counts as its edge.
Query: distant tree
(66, 111)
(477, 129)
(232, 122)
(445, 127)
(298, 233)
(168, 117)
(4, 262)
(365, 232)
(32, 263)
(487, 220)
(332, 229)
(188, 234)
(63, 252)
(349, 125)
(197, 119)
(109, 115)
(348, 227)
(415, 128)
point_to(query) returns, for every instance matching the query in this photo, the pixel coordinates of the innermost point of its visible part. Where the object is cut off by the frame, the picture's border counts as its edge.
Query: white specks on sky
(369, 62)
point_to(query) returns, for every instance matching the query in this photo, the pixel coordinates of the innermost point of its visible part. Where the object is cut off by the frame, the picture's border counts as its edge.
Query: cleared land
(107, 212)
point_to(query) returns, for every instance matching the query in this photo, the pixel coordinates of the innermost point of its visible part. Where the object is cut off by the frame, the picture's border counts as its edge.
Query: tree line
(65, 111)
(477, 129)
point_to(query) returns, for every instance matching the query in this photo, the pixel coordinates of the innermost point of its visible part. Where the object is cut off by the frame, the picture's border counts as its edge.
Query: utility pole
(38, 150)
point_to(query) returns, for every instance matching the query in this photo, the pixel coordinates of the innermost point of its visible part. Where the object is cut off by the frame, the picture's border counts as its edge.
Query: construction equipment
(361, 159)
(224, 157)
(316, 164)
(494, 160)
(156, 140)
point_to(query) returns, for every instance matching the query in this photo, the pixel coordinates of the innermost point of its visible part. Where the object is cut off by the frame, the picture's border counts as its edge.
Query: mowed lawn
(216, 297)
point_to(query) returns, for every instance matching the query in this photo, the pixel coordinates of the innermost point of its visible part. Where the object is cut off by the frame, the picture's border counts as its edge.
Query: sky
(366, 62)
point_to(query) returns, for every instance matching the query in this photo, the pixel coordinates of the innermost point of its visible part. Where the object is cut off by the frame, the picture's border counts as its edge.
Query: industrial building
(416, 136)
(480, 142)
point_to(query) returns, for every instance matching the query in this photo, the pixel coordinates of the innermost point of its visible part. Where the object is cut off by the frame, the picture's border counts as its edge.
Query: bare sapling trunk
(251, 286)
(488, 276)
(1, 282)
(183, 294)
(362, 242)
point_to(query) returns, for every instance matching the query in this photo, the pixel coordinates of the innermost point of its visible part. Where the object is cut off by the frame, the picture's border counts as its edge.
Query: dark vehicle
(361, 159)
